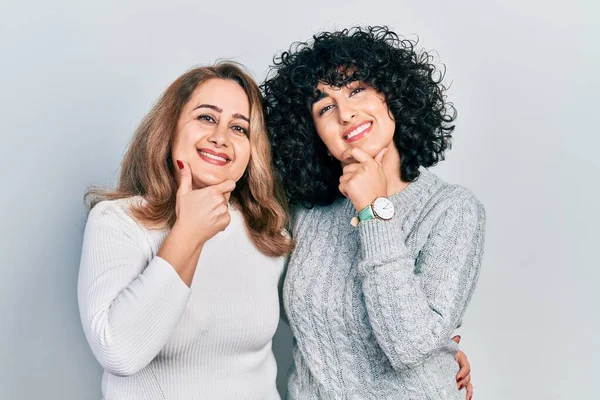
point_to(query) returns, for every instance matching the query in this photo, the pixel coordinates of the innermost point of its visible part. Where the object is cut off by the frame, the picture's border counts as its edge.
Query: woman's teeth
(357, 131)
(212, 156)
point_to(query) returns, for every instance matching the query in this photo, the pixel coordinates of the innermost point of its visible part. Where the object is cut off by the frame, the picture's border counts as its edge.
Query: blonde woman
(180, 263)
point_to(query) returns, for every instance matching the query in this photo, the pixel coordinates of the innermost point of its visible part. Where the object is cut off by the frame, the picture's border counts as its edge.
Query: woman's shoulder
(113, 222)
(118, 207)
(460, 194)
(456, 197)
(116, 213)
(301, 215)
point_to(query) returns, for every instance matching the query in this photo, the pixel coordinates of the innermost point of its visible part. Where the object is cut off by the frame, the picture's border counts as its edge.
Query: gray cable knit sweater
(373, 308)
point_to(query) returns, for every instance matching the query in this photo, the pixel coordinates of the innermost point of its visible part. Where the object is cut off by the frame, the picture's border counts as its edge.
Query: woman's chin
(372, 149)
(206, 181)
(375, 148)
(211, 180)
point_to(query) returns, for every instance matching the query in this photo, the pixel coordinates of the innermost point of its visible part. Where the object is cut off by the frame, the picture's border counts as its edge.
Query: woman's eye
(240, 129)
(357, 90)
(207, 118)
(325, 109)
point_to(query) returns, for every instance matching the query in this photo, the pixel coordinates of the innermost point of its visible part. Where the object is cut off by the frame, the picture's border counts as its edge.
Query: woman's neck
(391, 168)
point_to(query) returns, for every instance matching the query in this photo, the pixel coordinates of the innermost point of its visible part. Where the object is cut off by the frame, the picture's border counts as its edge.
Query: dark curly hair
(376, 56)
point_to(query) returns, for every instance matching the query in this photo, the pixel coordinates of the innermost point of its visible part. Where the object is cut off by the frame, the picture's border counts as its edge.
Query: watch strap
(366, 213)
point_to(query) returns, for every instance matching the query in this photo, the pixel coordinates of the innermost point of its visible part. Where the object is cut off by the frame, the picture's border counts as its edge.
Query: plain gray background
(77, 77)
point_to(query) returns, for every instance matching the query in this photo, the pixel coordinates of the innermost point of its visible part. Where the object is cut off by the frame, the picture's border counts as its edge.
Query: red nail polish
(179, 164)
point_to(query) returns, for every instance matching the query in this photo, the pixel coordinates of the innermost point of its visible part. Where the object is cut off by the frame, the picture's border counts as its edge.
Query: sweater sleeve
(415, 303)
(129, 303)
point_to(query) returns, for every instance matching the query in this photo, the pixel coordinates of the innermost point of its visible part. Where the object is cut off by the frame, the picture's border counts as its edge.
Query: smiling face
(355, 115)
(212, 133)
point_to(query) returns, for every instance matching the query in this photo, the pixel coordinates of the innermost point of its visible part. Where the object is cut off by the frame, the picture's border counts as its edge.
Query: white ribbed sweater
(158, 339)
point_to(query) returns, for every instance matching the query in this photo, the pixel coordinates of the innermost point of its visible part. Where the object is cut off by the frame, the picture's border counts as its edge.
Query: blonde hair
(147, 168)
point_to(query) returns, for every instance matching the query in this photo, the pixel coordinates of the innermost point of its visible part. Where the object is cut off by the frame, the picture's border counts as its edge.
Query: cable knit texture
(373, 308)
(158, 339)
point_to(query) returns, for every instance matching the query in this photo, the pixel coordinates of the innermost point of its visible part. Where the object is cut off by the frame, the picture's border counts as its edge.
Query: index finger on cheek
(360, 155)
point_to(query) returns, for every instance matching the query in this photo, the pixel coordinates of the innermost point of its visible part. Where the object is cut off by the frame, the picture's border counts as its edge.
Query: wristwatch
(381, 208)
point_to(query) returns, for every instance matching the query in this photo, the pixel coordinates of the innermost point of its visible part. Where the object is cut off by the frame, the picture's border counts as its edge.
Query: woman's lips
(357, 132)
(213, 157)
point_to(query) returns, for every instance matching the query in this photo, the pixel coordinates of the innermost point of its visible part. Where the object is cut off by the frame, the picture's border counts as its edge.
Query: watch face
(383, 208)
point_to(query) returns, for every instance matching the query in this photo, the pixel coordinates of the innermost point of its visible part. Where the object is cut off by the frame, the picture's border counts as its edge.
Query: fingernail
(179, 164)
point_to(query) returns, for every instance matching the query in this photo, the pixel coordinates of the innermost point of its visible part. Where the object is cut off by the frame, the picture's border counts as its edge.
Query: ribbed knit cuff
(452, 346)
(381, 241)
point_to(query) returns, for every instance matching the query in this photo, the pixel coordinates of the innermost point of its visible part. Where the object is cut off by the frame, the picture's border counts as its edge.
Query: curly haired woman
(387, 253)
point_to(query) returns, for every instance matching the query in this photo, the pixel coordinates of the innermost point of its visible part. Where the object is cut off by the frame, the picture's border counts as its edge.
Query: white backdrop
(76, 78)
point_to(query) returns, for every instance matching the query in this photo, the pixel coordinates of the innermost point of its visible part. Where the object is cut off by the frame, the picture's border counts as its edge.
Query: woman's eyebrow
(220, 110)
(215, 108)
(320, 96)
